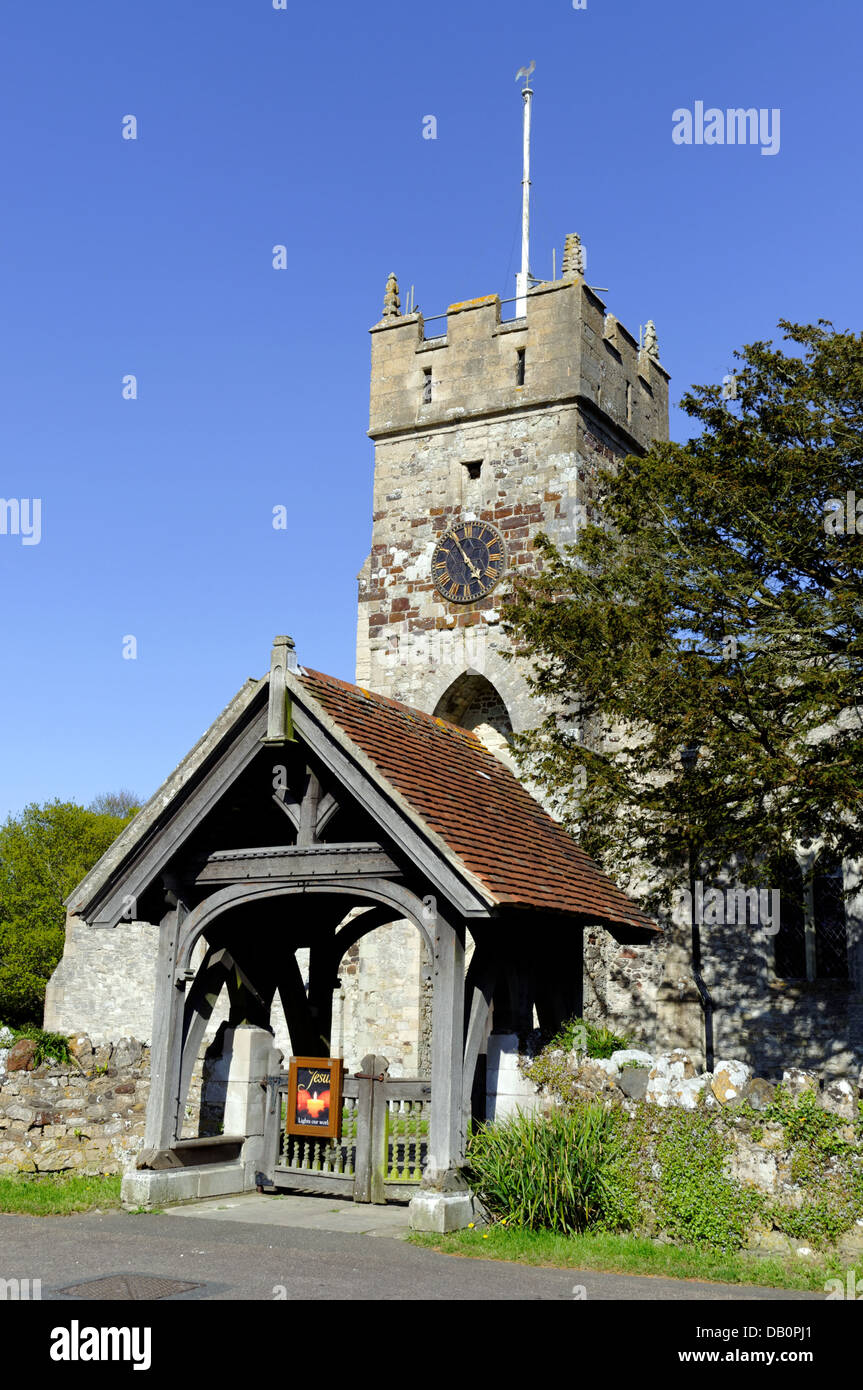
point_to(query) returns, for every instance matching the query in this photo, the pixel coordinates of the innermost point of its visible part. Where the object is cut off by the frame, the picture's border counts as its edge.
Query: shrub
(545, 1173)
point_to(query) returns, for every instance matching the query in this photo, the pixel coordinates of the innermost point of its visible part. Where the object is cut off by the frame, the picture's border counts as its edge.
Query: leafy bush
(545, 1173)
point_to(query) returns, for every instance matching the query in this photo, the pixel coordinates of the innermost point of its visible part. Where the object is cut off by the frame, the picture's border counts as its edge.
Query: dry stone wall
(86, 1116)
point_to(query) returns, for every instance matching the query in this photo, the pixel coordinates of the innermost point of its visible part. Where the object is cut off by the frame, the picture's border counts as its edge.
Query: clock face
(468, 561)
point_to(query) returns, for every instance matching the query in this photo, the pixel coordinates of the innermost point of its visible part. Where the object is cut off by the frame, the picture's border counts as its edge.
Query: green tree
(44, 853)
(709, 614)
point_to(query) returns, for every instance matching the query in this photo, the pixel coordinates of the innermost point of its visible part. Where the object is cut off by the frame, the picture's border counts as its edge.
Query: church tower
(486, 433)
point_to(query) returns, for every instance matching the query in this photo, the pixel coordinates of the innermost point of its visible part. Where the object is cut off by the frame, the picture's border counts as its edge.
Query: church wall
(383, 1001)
(105, 984)
(758, 1017)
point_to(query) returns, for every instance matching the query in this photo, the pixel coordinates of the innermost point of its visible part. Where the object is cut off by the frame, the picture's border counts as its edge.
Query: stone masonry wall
(758, 1017)
(87, 1116)
(105, 981)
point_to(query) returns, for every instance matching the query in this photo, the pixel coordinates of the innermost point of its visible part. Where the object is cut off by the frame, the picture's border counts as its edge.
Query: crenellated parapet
(566, 348)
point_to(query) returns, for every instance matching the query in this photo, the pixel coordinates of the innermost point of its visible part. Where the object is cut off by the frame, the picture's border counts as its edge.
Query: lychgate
(312, 814)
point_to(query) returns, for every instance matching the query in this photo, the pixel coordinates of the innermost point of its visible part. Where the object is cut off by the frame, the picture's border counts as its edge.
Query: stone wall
(104, 983)
(87, 1116)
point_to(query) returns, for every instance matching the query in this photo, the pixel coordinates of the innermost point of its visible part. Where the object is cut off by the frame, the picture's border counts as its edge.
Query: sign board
(315, 1097)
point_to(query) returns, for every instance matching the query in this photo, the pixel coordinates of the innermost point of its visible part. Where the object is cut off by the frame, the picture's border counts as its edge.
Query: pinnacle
(392, 303)
(573, 256)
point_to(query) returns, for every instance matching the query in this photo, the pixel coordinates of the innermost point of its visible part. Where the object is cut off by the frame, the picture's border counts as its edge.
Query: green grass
(622, 1254)
(50, 1194)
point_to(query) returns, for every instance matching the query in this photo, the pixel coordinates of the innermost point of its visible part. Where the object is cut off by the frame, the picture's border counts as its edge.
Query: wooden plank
(327, 808)
(309, 809)
(154, 856)
(292, 993)
(272, 1128)
(198, 1006)
(158, 1131)
(359, 888)
(436, 862)
(479, 992)
(358, 927)
(285, 864)
(400, 1088)
(209, 1142)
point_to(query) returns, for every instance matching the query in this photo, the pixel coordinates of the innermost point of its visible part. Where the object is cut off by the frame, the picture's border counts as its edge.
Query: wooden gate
(382, 1151)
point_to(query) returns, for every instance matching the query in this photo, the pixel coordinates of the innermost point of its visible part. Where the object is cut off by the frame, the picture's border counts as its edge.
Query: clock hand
(471, 566)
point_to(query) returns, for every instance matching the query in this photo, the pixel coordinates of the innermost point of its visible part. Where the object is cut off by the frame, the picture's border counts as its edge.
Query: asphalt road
(232, 1259)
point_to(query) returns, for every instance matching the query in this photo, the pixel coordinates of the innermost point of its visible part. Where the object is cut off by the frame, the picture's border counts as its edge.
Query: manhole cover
(129, 1286)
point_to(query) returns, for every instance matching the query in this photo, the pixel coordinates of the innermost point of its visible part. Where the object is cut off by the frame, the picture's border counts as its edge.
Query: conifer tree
(710, 614)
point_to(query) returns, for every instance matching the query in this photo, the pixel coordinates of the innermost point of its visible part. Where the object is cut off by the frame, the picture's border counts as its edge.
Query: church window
(830, 957)
(519, 367)
(427, 385)
(629, 403)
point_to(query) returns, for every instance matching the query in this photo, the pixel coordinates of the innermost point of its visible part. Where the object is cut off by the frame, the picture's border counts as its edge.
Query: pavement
(259, 1247)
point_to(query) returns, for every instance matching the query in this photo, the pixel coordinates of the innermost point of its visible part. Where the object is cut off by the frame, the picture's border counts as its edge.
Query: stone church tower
(485, 434)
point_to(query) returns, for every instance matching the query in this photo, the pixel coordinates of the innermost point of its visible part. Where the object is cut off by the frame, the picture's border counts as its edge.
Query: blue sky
(303, 127)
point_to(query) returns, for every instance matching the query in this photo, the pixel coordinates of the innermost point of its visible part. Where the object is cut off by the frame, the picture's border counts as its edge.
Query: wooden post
(447, 1123)
(379, 1132)
(479, 991)
(272, 1128)
(166, 1046)
(365, 1102)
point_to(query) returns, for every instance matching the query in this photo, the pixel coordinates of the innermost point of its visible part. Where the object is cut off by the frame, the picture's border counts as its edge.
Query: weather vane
(525, 73)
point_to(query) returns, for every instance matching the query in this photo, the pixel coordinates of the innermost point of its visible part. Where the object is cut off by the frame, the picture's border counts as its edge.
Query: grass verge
(57, 1194)
(621, 1254)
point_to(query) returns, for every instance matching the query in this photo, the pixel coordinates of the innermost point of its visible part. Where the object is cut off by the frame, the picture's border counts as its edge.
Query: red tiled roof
(476, 805)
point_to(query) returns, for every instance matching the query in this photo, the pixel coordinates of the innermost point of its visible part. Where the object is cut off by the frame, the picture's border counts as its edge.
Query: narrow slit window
(519, 367)
(427, 385)
(628, 403)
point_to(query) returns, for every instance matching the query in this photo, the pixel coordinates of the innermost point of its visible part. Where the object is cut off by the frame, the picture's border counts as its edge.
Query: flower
(470, 1225)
